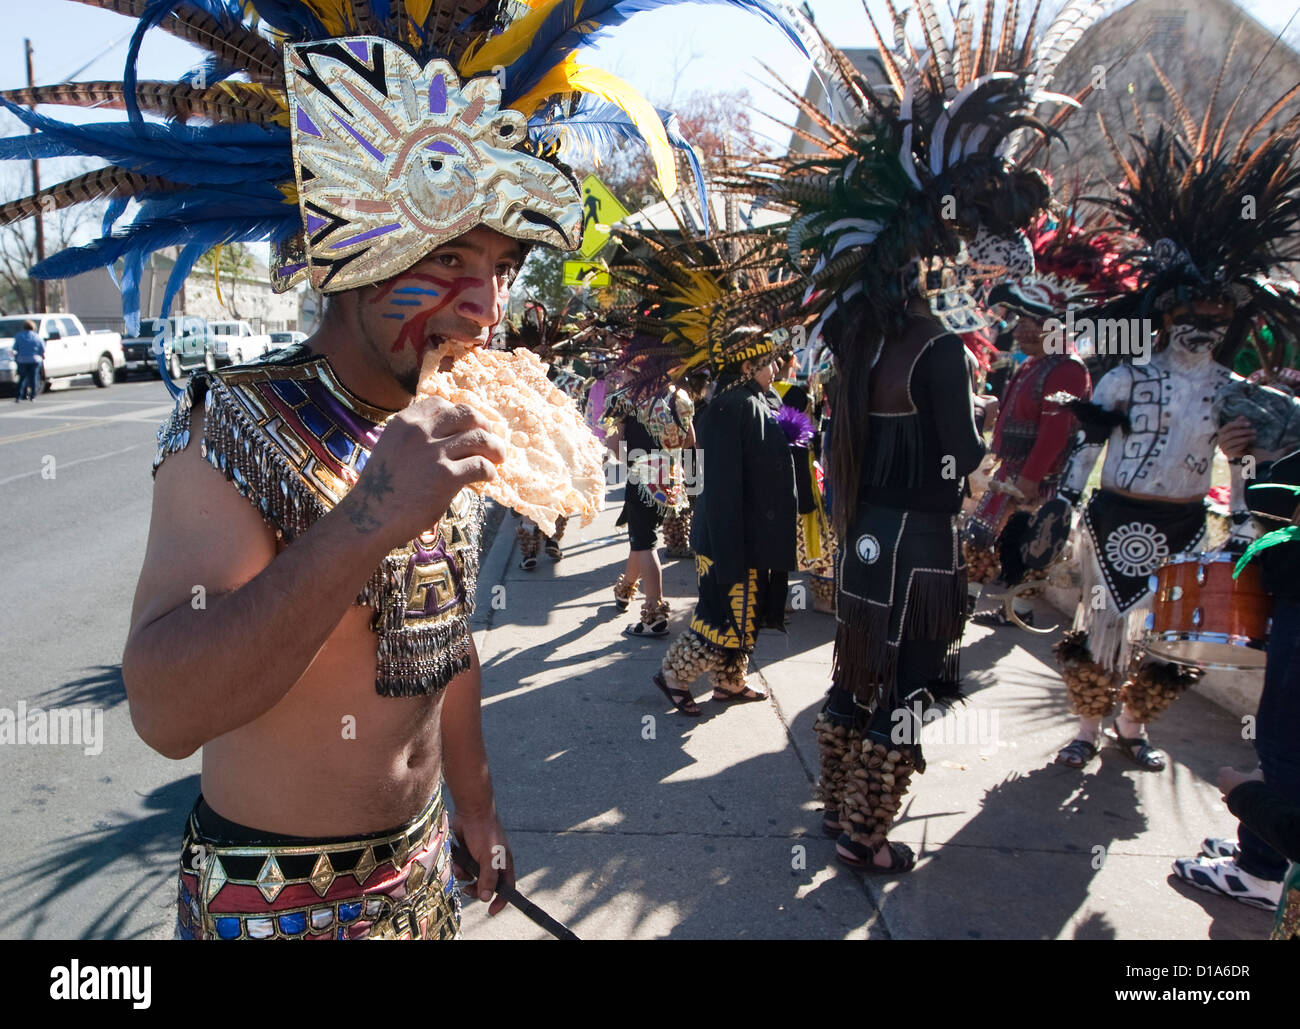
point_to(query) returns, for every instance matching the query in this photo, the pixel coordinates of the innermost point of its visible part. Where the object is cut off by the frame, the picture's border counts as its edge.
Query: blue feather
(132, 271)
(185, 262)
(293, 19)
(198, 233)
(595, 125)
(157, 12)
(566, 30)
(115, 209)
(182, 153)
(673, 127)
(208, 227)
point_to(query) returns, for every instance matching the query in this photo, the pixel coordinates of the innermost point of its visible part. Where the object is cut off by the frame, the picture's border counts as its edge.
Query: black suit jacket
(745, 515)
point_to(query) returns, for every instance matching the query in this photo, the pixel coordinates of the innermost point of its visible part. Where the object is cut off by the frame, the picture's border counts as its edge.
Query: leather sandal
(861, 857)
(738, 697)
(1076, 753)
(1139, 750)
(831, 825)
(657, 629)
(680, 699)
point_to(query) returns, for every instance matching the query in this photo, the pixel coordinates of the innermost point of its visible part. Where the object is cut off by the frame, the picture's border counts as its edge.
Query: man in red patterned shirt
(1032, 437)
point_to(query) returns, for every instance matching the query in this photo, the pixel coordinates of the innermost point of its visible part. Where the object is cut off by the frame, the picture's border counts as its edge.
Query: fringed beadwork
(292, 441)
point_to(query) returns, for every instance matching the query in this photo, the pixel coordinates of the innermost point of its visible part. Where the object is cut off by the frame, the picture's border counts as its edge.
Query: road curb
(498, 545)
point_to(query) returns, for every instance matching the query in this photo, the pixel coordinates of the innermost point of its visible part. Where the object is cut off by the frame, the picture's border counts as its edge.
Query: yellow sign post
(586, 273)
(600, 210)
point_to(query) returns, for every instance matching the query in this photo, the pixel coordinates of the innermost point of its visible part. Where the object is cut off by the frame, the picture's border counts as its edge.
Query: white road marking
(70, 464)
(149, 414)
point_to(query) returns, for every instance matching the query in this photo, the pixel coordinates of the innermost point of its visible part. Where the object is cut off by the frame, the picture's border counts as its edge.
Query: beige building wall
(1189, 42)
(250, 299)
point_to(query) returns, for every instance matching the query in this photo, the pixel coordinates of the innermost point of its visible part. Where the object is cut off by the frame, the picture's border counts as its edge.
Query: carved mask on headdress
(394, 159)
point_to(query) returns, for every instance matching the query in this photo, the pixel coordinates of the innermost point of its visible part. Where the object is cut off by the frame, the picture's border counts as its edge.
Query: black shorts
(642, 519)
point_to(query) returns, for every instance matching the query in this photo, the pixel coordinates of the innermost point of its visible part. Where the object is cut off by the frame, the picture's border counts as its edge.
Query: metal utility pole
(36, 188)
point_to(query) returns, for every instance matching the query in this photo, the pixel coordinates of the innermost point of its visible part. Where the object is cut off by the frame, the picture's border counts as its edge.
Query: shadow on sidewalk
(102, 686)
(1002, 874)
(131, 852)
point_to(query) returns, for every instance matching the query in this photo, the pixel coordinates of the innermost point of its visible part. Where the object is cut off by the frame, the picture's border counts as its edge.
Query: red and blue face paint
(408, 297)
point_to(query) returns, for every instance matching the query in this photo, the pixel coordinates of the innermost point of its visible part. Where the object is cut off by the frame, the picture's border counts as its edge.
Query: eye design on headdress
(394, 159)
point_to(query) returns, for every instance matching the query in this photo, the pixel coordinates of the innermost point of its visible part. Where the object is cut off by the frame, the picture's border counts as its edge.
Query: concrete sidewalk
(629, 820)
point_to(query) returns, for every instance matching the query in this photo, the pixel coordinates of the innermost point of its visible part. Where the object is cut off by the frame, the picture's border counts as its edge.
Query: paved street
(87, 838)
(627, 819)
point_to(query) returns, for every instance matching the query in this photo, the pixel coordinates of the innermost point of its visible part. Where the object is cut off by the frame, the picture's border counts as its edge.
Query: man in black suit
(743, 532)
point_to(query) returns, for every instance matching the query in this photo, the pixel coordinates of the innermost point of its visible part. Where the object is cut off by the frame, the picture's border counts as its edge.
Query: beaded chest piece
(293, 441)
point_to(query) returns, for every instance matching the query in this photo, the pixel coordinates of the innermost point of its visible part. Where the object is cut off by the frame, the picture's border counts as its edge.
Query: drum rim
(1207, 557)
(1178, 636)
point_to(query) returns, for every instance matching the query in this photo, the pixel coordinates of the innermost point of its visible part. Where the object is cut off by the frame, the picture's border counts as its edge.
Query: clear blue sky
(663, 53)
(666, 54)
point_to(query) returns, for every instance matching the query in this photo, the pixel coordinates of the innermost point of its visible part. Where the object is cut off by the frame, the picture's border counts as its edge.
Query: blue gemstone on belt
(293, 924)
(228, 928)
(349, 912)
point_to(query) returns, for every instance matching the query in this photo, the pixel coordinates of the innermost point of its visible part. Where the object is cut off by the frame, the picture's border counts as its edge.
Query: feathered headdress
(911, 188)
(1077, 263)
(1213, 219)
(902, 175)
(688, 313)
(359, 135)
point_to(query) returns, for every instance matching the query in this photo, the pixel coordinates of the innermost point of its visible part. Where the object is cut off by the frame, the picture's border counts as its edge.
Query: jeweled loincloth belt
(395, 885)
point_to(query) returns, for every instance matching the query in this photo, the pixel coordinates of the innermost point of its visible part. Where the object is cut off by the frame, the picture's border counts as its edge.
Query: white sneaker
(1218, 847)
(1223, 876)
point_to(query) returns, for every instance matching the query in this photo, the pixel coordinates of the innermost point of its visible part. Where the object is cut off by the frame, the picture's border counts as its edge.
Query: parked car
(237, 343)
(69, 349)
(185, 341)
(287, 339)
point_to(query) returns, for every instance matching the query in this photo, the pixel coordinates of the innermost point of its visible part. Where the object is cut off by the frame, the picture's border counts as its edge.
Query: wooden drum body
(1203, 616)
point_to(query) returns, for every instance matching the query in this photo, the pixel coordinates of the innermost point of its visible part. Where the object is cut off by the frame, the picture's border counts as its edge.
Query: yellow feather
(335, 15)
(216, 272)
(572, 77)
(418, 10)
(510, 45)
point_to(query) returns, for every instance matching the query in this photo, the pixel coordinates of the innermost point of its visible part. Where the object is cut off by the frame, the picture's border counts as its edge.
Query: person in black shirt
(743, 531)
(1253, 868)
(901, 603)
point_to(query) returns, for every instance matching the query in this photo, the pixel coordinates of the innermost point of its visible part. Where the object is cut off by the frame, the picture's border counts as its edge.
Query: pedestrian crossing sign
(600, 211)
(586, 273)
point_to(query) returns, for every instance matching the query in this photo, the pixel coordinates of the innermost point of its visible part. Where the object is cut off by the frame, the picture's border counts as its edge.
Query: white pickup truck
(69, 349)
(237, 343)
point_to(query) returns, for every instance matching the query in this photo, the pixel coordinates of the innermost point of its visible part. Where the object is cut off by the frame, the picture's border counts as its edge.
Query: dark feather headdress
(908, 172)
(688, 312)
(1213, 218)
(900, 178)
